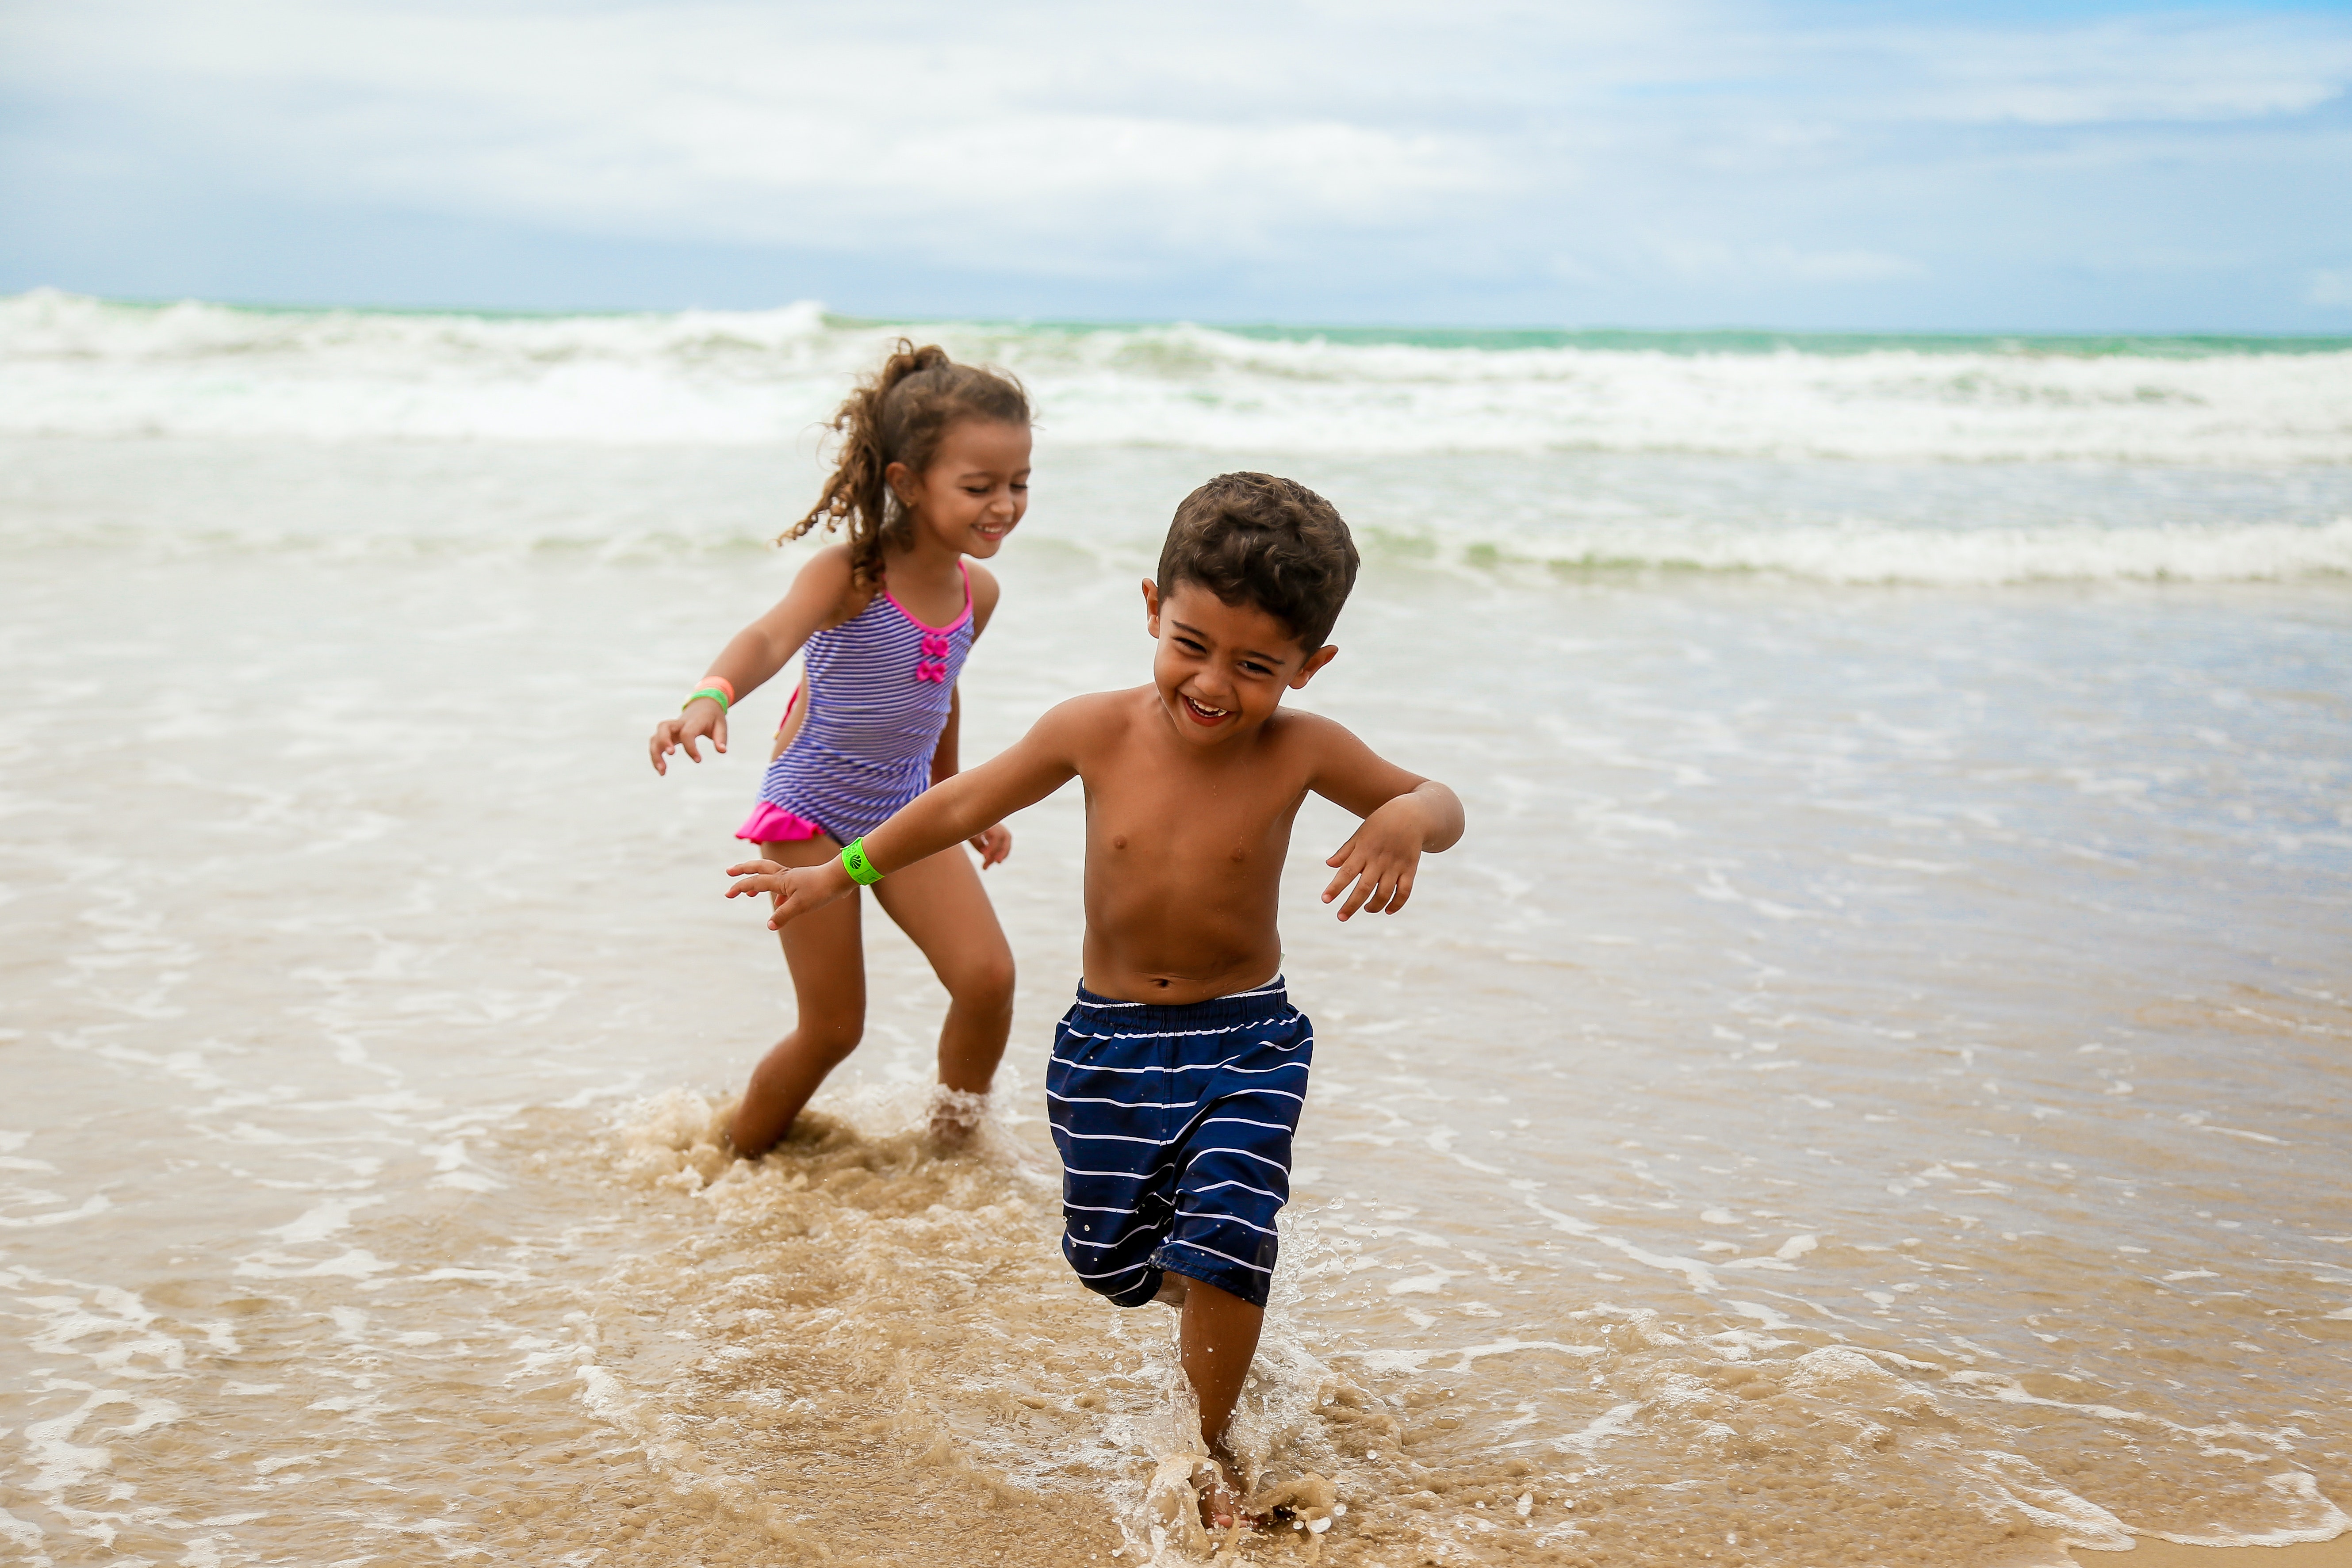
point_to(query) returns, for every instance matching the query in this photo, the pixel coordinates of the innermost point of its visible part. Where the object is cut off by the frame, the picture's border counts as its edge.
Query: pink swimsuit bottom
(769, 824)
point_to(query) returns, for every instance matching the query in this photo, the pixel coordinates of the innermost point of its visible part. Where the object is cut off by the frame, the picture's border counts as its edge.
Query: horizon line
(1239, 327)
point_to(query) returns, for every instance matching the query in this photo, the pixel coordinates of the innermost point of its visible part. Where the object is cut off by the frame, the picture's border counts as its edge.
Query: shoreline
(2147, 1552)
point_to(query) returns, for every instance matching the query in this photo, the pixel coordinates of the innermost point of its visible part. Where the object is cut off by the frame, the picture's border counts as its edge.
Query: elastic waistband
(1239, 1007)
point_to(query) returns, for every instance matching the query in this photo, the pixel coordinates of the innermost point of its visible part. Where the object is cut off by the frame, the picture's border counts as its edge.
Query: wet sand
(1870, 1091)
(2149, 1553)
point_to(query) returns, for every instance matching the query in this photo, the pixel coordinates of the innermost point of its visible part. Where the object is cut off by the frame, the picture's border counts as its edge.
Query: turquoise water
(1746, 339)
(1499, 340)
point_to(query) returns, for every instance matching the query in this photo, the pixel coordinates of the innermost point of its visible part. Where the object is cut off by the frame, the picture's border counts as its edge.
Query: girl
(934, 466)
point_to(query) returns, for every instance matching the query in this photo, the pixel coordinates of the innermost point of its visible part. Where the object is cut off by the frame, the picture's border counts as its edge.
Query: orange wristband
(724, 684)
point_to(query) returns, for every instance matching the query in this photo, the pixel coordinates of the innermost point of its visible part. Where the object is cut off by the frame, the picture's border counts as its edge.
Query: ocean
(1870, 1088)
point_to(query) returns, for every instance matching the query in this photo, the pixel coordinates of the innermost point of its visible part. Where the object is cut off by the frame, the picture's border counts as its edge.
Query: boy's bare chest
(1152, 814)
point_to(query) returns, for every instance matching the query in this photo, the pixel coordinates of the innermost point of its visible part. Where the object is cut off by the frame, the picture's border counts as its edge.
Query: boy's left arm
(1405, 815)
(992, 844)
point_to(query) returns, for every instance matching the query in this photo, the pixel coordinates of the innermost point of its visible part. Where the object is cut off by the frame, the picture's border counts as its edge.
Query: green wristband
(861, 871)
(713, 693)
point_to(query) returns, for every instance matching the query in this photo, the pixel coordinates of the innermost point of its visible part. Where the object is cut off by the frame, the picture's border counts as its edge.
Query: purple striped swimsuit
(879, 686)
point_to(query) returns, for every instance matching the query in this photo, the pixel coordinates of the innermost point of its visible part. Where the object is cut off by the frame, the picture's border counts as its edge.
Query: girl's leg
(827, 957)
(941, 906)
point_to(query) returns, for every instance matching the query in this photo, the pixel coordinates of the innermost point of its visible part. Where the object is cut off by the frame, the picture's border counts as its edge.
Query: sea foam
(80, 366)
(1853, 461)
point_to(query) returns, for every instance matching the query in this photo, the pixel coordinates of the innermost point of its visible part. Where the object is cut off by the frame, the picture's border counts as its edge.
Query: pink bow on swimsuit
(931, 669)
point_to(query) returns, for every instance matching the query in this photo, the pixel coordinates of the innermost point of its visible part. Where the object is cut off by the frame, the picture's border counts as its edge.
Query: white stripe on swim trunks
(1196, 1153)
(1198, 1066)
(1213, 1253)
(1115, 1273)
(1167, 1104)
(1226, 1219)
(1246, 1121)
(1242, 1152)
(1124, 1236)
(1265, 990)
(1220, 1186)
(1174, 1033)
(1118, 1241)
(1197, 1192)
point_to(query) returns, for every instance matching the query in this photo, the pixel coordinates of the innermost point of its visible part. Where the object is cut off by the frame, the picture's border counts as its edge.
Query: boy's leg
(1223, 1242)
(1117, 1192)
(941, 906)
(1216, 1342)
(826, 954)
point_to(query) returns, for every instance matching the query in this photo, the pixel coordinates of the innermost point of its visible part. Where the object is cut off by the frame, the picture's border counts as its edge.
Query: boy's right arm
(756, 652)
(1032, 768)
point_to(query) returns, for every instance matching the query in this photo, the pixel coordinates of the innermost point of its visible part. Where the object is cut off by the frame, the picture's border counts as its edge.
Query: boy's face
(1221, 668)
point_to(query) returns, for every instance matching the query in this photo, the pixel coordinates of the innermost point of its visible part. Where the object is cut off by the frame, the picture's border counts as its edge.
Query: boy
(1178, 1078)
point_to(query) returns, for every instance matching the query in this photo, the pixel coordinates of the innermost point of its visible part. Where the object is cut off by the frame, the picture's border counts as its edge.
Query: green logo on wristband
(861, 870)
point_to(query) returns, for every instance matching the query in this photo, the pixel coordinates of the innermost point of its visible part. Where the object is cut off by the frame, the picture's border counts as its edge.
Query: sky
(1662, 163)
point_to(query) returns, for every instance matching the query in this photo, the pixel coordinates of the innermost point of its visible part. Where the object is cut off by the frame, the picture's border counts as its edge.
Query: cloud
(1471, 146)
(2330, 286)
(753, 124)
(2117, 71)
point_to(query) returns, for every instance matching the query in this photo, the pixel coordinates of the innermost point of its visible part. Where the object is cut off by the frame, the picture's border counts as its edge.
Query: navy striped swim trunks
(1174, 1125)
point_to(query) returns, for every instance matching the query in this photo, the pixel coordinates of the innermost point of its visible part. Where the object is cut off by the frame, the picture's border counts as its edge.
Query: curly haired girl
(933, 468)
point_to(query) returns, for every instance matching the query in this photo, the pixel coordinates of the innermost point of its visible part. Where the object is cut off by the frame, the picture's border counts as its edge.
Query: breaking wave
(82, 366)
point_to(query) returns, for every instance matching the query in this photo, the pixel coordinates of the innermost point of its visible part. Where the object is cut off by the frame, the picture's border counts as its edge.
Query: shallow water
(1870, 1088)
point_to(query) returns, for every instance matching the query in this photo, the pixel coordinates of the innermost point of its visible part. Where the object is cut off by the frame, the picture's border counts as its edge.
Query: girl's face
(976, 487)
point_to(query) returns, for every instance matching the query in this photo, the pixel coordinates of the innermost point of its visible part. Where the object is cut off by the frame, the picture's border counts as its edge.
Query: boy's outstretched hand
(992, 844)
(797, 890)
(1379, 858)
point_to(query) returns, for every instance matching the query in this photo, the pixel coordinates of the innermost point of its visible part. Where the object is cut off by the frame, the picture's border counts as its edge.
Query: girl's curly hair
(898, 415)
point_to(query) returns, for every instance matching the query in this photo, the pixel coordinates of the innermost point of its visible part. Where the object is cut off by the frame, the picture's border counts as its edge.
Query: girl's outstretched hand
(797, 890)
(702, 718)
(1379, 858)
(993, 844)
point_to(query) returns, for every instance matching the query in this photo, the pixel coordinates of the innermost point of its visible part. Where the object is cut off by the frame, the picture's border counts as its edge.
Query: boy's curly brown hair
(897, 415)
(1258, 539)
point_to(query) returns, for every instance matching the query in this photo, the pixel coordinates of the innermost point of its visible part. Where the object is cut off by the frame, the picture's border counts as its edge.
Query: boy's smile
(1221, 668)
(1203, 714)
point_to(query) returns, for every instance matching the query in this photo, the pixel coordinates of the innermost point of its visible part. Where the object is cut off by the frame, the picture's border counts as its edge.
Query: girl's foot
(956, 1116)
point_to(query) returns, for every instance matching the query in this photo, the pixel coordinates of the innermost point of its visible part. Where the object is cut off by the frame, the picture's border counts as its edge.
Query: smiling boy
(1178, 1077)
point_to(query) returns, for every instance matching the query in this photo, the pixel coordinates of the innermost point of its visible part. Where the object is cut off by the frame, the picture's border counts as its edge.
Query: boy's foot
(1220, 1496)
